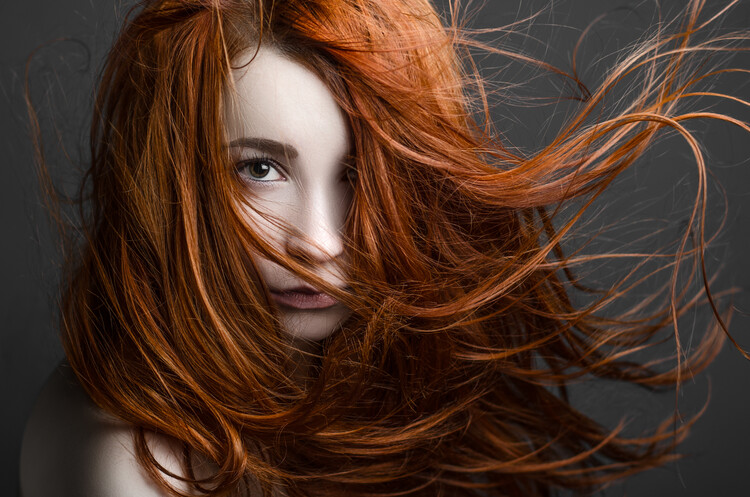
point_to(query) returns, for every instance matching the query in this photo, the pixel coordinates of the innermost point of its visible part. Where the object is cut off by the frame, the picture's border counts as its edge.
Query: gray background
(62, 80)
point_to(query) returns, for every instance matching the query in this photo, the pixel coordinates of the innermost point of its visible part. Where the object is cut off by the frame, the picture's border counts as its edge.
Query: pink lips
(303, 298)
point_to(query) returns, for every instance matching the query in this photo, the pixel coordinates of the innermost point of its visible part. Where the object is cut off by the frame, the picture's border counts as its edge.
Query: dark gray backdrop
(29, 348)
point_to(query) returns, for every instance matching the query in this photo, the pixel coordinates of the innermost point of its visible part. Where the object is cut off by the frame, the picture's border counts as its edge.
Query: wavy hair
(452, 375)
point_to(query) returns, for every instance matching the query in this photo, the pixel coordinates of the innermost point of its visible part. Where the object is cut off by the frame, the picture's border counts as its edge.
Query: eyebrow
(267, 145)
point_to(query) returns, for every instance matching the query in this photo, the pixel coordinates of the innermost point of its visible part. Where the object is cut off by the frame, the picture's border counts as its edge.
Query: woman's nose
(318, 231)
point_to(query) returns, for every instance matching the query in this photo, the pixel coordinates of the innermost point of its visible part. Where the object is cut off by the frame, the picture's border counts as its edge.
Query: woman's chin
(313, 324)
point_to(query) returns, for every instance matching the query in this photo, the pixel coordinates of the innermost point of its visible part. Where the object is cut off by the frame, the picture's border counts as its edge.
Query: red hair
(452, 375)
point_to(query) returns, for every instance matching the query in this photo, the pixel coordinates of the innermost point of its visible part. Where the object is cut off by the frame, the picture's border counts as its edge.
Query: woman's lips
(303, 298)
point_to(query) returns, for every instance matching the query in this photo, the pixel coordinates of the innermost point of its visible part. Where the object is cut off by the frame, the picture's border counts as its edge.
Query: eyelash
(252, 161)
(350, 174)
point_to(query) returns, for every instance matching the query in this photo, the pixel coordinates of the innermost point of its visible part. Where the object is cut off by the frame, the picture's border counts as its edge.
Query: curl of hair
(451, 377)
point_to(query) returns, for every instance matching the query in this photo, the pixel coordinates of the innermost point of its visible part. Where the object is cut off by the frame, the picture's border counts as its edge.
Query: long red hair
(452, 375)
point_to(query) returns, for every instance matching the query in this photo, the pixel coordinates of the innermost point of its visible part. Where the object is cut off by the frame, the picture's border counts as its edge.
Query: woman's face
(290, 141)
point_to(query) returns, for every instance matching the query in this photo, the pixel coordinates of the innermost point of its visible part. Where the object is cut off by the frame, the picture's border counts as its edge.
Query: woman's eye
(351, 175)
(259, 169)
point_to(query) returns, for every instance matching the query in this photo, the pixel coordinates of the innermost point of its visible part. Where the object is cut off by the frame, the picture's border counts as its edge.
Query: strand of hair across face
(452, 377)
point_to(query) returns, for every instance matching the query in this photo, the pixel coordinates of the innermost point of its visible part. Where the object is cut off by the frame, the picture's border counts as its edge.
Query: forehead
(276, 97)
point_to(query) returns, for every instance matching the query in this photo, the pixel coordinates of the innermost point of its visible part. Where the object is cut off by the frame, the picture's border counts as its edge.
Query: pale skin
(292, 146)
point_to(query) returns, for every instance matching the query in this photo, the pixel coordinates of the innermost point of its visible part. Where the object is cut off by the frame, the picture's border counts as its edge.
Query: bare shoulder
(72, 448)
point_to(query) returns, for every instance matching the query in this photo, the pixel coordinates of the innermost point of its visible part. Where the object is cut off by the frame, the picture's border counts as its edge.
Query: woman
(310, 267)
